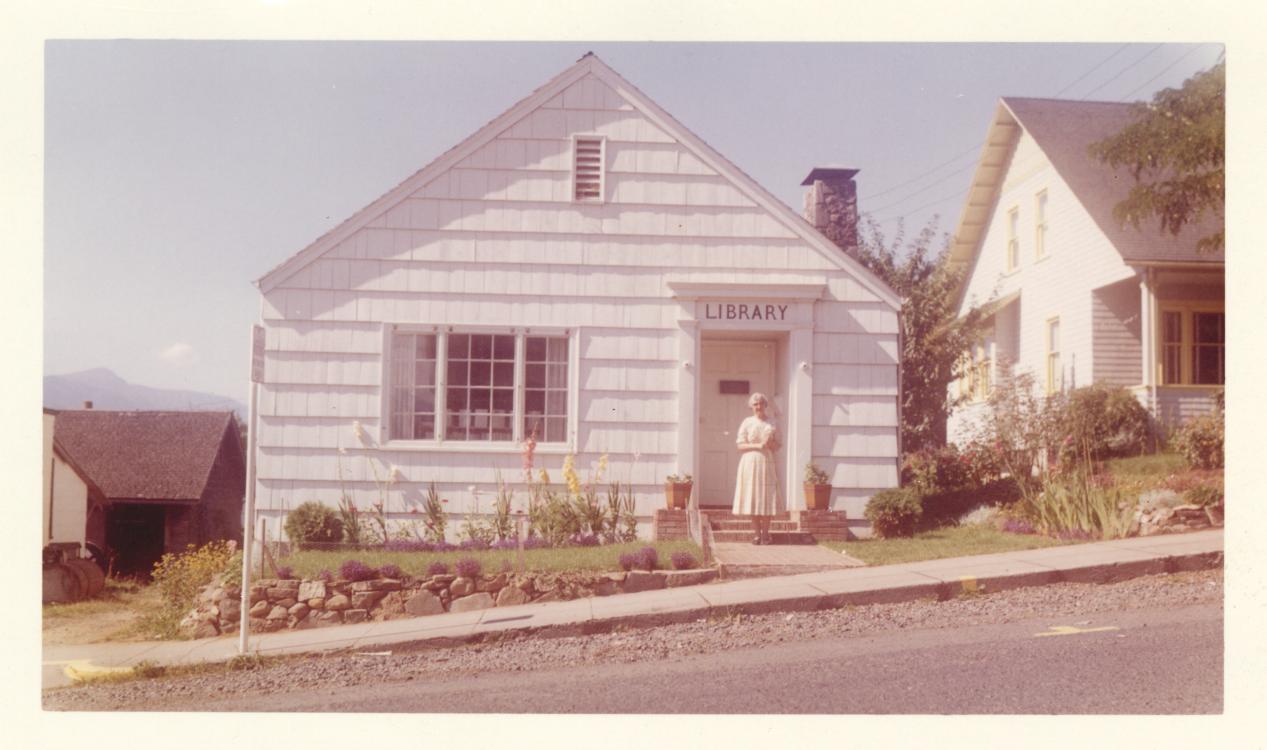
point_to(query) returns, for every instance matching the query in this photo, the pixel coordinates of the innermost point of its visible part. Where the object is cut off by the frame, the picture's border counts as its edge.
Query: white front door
(730, 371)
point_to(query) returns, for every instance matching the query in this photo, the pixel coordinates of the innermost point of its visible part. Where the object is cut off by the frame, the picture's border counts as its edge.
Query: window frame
(1041, 199)
(1051, 361)
(440, 441)
(1187, 311)
(1012, 255)
(577, 138)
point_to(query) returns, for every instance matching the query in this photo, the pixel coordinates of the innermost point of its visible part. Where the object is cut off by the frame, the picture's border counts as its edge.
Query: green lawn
(952, 541)
(308, 563)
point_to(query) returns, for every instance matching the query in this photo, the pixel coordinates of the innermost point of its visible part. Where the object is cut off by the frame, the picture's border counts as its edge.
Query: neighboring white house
(586, 270)
(1075, 296)
(73, 504)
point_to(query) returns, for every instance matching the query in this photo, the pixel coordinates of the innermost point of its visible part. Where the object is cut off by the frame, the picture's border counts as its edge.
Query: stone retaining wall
(277, 604)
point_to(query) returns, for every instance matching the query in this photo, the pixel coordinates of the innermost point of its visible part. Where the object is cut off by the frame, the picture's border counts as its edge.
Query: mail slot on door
(729, 387)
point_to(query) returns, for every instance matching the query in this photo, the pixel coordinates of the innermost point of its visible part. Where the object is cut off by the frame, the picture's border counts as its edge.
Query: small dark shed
(170, 478)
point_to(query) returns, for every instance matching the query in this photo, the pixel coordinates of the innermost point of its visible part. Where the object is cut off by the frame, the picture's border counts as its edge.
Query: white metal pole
(248, 527)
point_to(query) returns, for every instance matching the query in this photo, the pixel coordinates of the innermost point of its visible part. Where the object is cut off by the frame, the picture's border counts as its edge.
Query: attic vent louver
(587, 165)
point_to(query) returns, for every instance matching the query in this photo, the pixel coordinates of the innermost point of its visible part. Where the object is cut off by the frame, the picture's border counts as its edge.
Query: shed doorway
(730, 371)
(135, 537)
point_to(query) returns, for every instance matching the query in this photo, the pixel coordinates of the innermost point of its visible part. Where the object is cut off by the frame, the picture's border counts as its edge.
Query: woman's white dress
(757, 482)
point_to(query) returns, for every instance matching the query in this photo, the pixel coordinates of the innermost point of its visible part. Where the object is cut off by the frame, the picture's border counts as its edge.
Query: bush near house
(1200, 440)
(895, 512)
(1101, 422)
(313, 523)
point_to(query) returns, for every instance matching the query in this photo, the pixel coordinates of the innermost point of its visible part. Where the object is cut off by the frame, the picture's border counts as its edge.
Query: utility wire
(926, 188)
(1163, 70)
(919, 177)
(1123, 70)
(1099, 65)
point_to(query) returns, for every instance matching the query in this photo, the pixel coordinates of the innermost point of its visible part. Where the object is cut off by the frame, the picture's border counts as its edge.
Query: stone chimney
(831, 205)
(87, 404)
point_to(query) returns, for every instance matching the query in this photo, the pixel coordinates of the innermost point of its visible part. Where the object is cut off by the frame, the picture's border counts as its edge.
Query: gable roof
(1064, 130)
(144, 455)
(589, 64)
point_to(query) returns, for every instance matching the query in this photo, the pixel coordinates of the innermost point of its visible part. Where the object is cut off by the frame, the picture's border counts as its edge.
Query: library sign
(745, 311)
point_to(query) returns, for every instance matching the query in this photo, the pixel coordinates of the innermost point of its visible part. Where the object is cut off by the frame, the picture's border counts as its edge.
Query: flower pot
(817, 496)
(677, 494)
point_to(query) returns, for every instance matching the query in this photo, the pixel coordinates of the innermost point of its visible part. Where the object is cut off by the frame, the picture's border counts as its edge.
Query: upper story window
(588, 161)
(478, 387)
(1040, 225)
(1013, 240)
(1192, 348)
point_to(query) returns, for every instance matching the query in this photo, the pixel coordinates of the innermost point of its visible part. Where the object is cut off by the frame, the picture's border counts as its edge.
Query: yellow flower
(602, 468)
(569, 474)
(545, 476)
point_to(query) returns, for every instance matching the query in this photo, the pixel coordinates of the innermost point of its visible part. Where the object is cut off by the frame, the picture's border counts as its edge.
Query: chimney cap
(87, 404)
(828, 173)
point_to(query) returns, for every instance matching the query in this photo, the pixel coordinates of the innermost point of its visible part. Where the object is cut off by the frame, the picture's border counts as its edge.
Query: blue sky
(177, 172)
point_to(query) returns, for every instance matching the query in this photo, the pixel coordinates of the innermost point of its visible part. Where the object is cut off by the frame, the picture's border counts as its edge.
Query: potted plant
(677, 491)
(817, 488)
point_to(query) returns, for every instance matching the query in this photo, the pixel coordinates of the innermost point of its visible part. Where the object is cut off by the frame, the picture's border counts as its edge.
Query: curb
(933, 590)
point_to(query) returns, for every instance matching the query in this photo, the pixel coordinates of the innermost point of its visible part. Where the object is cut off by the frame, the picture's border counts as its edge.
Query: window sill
(458, 446)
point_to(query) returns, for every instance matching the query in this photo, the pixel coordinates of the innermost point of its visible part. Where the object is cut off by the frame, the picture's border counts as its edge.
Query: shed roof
(144, 455)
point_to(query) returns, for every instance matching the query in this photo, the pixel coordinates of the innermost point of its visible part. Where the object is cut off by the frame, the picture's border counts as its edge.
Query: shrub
(894, 512)
(1100, 421)
(942, 508)
(935, 470)
(313, 523)
(648, 559)
(391, 570)
(355, 570)
(468, 567)
(179, 577)
(285, 572)
(683, 560)
(438, 568)
(1201, 441)
(628, 560)
(1205, 495)
(325, 575)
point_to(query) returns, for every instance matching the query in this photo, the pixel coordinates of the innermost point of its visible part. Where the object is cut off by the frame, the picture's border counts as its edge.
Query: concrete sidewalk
(1099, 562)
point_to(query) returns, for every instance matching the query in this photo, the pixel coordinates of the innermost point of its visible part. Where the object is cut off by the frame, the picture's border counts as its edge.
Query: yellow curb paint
(82, 670)
(969, 584)
(1071, 630)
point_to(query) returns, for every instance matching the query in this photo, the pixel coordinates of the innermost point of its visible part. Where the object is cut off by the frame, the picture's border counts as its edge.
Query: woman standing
(756, 485)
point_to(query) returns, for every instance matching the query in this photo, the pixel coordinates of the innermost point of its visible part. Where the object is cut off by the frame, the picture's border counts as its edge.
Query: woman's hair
(754, 398)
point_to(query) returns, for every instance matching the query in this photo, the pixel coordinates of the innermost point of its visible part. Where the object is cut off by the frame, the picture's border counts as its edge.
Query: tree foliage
(933, 337)
(1174, 149)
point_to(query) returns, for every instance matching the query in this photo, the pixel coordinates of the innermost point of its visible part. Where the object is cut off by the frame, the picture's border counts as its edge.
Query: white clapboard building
(585, 270)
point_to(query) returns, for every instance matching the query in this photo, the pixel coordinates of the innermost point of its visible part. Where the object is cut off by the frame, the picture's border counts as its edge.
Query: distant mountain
(109, 391)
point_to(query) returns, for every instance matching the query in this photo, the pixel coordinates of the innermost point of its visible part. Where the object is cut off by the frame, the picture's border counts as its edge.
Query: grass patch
(117, 593)
(1140, 467)
(123, 611)
(308, 563)
(952, 541)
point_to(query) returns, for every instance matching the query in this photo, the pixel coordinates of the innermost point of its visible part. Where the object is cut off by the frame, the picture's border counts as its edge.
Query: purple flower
(409, 545)
(355, 570)
(391, 570)
(469, 567)
(326, 576)
(438, 568)
(648, 558)
(682, 560)
(473, 544)
(628, 560)
(285, 572)
(584, 540)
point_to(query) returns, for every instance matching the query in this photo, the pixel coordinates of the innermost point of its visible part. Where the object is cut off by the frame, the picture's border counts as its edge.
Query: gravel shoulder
(520, 653)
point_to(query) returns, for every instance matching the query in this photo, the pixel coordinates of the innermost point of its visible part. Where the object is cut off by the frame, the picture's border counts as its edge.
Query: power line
(1123, 70)
(1163, 70)
(1092, 70)
(919, 177)
(930, 204)
(926, 188)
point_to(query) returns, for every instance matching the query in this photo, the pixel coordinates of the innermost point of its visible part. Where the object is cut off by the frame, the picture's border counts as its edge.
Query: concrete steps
(789, 527)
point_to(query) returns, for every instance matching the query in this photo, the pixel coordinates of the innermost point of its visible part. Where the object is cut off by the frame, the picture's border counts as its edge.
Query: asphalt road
(1149, 661)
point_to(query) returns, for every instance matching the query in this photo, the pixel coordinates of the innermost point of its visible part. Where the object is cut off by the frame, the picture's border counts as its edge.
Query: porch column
(687, 397)
(800, 417)
(1148, 337)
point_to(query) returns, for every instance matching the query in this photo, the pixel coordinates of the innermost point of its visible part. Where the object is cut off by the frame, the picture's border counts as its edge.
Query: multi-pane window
(492, 383)
(546, 388)
(1171, 347)
(1207, 348)
(1192, 347)
(1013, 240)
(587, 168)
(413, 386)
(480, 390)
(1040, 225)
(1055, 377)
